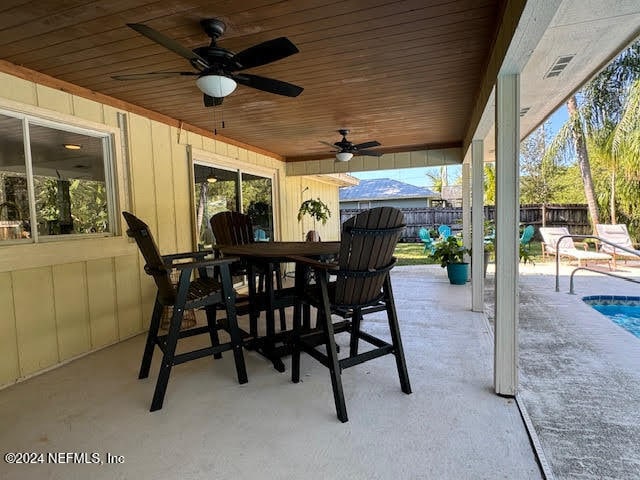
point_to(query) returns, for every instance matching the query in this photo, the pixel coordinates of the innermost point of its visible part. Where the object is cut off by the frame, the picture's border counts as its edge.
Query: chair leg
(332, 353)
(167, 359)
(210, 312)
(253, 313)
(355, 331)
(295, 339)
(395, 337)
(283, 317)
(152, 336)
(232, 322)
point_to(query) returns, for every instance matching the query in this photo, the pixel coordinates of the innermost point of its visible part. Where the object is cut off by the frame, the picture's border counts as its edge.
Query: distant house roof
(383, 189)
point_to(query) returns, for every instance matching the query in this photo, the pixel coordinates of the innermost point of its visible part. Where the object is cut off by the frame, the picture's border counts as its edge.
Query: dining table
(263, 256)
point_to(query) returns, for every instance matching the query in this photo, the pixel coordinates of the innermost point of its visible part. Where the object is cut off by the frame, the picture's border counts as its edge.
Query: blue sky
(418, 176)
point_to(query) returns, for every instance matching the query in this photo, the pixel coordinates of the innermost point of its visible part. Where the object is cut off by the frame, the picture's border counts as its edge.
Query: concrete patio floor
(579, 375)
(452, 427)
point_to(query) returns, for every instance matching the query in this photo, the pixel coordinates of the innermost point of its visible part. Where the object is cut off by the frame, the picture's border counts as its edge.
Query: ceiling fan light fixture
(216, 86)
(344, 156)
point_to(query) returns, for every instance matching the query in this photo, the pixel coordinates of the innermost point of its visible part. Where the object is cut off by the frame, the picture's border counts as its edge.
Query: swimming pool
(624, 311)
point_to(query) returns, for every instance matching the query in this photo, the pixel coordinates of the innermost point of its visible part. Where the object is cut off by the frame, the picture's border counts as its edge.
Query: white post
(466, 205)
(477, 225)
(507, 220)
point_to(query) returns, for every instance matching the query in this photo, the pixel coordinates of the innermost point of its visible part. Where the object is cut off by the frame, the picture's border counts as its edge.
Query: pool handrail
(584, 237)
(611, 274)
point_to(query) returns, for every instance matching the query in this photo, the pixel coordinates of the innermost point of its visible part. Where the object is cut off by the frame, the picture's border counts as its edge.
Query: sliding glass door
(219, 189)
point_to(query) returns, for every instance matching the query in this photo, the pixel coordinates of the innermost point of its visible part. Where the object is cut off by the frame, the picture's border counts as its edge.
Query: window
(219, 189)
(55, 180)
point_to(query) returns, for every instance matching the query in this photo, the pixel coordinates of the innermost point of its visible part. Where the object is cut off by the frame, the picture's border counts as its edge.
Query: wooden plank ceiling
(403, 73)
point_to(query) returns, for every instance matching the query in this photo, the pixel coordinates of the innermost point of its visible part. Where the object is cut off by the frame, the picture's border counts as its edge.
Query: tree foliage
(603, 134)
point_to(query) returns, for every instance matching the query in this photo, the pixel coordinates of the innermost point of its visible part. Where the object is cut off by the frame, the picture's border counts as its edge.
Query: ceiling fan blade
(152, 75)
(371, 153)
(328, 144)
(268, 84)
(265, 52)
(212, 101)
(360, 146)
(169, 43)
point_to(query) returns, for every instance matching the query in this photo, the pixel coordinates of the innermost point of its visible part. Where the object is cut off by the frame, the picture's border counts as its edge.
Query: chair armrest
(204, 263)
(179, 256)
(310, 262)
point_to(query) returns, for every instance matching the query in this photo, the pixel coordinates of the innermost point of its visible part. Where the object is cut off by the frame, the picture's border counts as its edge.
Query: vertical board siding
(102, 300)
(142, 173)
(17, 89)
(9, 366)
(129, 296)
(144, 201)
(163, 187)
(87, 109)
(35, 319)
(182, 193)
(53, 99)
(72, 309)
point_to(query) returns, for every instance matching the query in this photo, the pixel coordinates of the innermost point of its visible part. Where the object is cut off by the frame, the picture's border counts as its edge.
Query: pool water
(624, 311)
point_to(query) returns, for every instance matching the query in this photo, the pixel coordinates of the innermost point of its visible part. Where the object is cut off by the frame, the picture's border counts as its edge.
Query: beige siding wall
(63, 299)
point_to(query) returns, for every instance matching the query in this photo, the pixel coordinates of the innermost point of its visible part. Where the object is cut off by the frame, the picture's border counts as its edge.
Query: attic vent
(559, 65)
(524, 110)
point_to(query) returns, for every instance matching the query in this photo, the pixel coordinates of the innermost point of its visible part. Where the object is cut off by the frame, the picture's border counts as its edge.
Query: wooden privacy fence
(574, 216)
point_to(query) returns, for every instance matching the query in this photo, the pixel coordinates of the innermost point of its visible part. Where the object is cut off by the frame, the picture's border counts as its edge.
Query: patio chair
(425, 238)
(259, 235)
(202, 292)
(362, 286)
(235, 228)
(550, 237)
(618, 234)
(527, 236)
(444, 231)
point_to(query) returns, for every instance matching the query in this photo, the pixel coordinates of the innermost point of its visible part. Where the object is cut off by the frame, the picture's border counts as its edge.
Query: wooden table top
(281, 250)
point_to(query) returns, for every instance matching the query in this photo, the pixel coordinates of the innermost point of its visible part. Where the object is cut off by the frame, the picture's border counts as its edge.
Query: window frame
(109, 157)
(215, 160)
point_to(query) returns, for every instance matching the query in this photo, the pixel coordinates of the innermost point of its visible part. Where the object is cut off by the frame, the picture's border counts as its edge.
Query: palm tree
(595, 122)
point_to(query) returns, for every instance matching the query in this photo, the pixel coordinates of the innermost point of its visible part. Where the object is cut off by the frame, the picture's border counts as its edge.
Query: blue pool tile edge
(611, 300)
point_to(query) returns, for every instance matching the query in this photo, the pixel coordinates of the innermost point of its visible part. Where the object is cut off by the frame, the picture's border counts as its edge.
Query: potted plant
(450, 253)
(317, 210)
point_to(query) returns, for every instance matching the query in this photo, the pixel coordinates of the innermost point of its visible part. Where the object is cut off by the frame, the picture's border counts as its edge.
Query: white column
(477, 225)
(466, 204)
(507, 218)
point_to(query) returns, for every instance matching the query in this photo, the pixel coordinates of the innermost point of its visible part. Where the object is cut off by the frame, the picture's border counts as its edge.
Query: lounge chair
(618, 234)
(550, 237)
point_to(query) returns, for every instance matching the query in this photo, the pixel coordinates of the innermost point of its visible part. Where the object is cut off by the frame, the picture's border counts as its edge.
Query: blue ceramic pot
(458, 273)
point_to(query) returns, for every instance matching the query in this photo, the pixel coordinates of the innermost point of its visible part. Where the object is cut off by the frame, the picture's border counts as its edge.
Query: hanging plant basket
(316, 209)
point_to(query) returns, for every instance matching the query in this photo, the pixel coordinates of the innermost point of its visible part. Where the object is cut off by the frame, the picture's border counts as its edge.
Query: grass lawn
(412, 254)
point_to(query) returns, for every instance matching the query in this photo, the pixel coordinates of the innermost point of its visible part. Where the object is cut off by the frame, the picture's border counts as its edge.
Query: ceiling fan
(347, 149)
(216, 67)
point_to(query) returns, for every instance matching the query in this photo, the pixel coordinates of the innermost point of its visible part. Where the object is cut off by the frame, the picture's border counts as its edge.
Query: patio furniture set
(350, 279)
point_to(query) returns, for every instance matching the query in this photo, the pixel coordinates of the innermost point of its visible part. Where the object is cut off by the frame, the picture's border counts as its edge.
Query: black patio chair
(234, 228)
(362, 286)
(201, 292)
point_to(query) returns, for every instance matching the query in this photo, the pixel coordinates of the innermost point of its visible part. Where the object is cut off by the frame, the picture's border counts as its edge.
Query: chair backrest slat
(232, 228)
(615, 233)
(368, 242)
(551, 235)
(155, 266)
